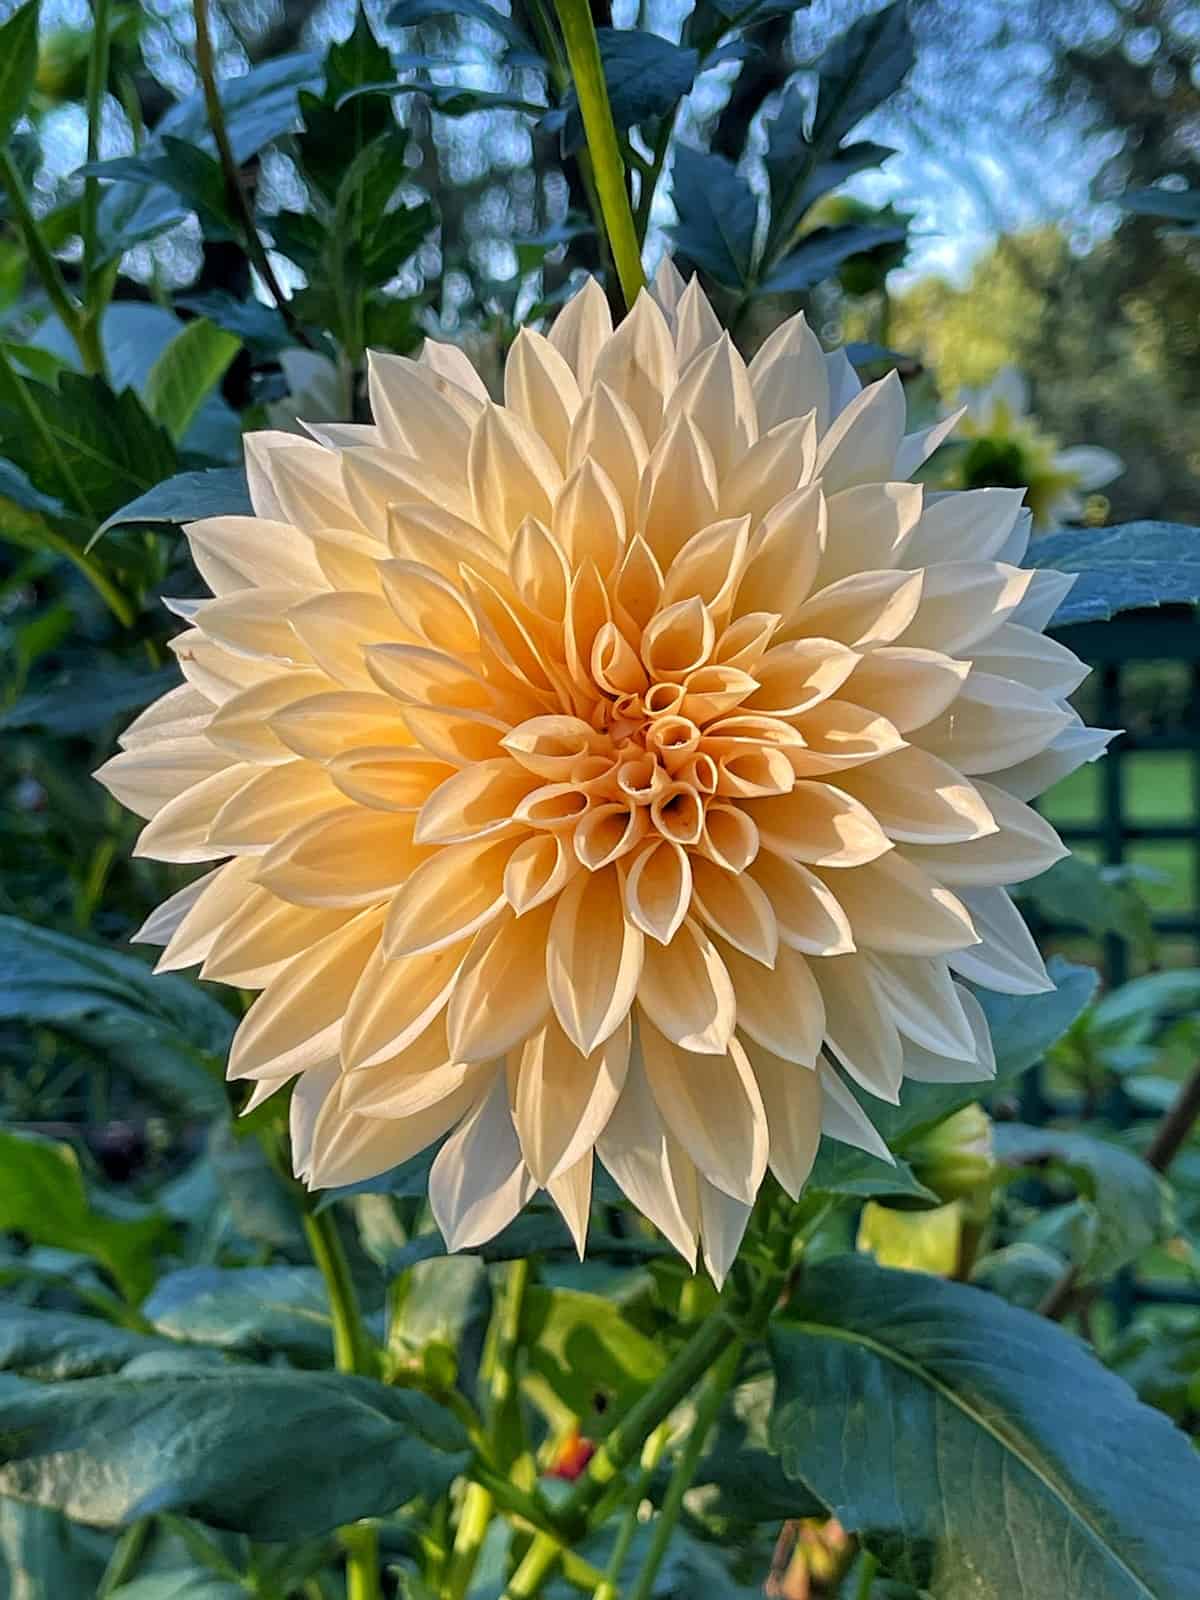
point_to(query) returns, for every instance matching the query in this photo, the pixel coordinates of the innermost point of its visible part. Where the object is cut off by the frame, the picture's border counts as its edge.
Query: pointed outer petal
(963, 602)
(714, 392)
(145, 779)
(783, 558)
(678, 639)
(341, 436)
(571, 1192)
(1025, 846)
(893, 905)
(589, 517)
(843, 1119)
(869, 528)
(1074, 746)
(551, 746)
(977, 1066)
(348, 1148)
(317, 1086)
(735, 906)
(338, 630)
(993, 724)
(593, 958)
(862, 441)
(963, 525)
(408, 1084)
(821, 824)
(308, 483)
(773, 468)
(254, 623)
(181, 713)
(541, 388)
(808, 915)
(512, 473)
(1046, 592)
(588, 610)
(478, 1181)
(188, 610)
(412, 417)
(258, 449)
(179, 831)
(649, 1165)
(668, 287)
(925, 1003)
(658, 889)
(678, 493)
(1031, 658)
(779, 1007)
(870, 609)
(639, 583)
(456, 736)
(907, 686)
(581, 329)
(1016, 546)
(396, 1002)
(456, 379)
(242, 725)
(510, 651)
(687, 993)
(325, 725)
(539, 570)
(723, 1222)
(791, 1097)
(844, 383)
(711, 1104)
(269, 803)
(697, 325)
(163, 922)
(474, 802)
(214, 671)
(348, 857)
(263, 931)
(457, 891)
(1008, 959)
(294, 1024)
(710, 565)
(638, 363)
(562, 1100)
(419, 676)
(375, 479)
(435, 538)
(917, 799)
(608, 432)
(918, 447)
(859, 1028)
(213, 899)
(537, 869)
(796, 676)
(841, 736)
(500, 996)
(235, 553)
(388, 777)
(427, 607)
(789, 376)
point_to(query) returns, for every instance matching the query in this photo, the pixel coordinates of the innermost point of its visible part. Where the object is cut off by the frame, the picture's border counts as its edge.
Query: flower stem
(715, 1389)
(97, 83)
(587, 69)
(610, 1588)
(866, 1576)
(49, 273)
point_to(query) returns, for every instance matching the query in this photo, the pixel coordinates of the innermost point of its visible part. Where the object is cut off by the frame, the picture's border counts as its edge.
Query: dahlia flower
(609, 773)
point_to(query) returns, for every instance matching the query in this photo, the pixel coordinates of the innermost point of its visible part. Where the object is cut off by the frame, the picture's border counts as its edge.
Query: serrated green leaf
(186, 497)
(646, 75)
(820, 253)
(718, 215)
(981, 1452)
(186, 372)
(1122, 568)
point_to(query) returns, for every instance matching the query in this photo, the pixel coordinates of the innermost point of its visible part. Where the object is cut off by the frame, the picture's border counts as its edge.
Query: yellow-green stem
(608, 167)
(610, 1589)
(47, 268)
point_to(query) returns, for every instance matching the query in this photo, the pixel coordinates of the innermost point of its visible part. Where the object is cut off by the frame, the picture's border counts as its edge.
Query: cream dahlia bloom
(608, 773)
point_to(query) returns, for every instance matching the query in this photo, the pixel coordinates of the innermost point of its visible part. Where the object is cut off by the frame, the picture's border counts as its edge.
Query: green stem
(125, 1559)
(587, 69)
(866, 1576)
(360, 1541)
(610, 1589)
(97, 83)
(47, 268)
(719, 1380)
(651, 176)
(473, 1522)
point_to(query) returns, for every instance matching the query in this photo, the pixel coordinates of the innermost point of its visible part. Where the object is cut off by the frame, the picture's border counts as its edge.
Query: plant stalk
(49, 273)
(610, 1588)
(97, 83)
(608, 167)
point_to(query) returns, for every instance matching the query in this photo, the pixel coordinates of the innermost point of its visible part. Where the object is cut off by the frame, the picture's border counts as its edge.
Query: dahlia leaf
(646, 76)
(978, 1450)
(861, 68)
(718, 216)
(1122, 568)
(592, 1360)
(821, 252)
(253, 1311)
(222, 1446)
(18, 65)
(51, 1346)
(186, 372)
(186, 497)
